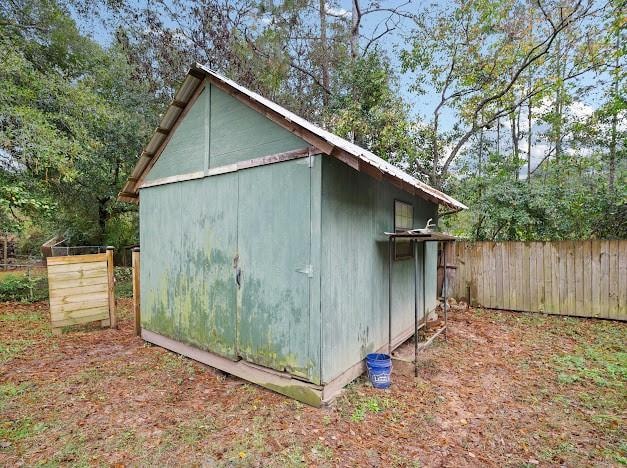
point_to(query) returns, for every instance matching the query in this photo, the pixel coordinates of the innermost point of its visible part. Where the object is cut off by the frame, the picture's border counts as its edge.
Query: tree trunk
(355, 20)
(498, 136)
(480, 165)
(612, 162)
(514, 145)
(559, 98)
(103, 217)
(323, 47)
(529, 119)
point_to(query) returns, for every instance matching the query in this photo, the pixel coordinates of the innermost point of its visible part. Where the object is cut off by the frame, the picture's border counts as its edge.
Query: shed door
(274, 242)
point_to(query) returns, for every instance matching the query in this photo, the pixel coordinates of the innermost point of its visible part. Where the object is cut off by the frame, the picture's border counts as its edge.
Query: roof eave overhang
(189, 90)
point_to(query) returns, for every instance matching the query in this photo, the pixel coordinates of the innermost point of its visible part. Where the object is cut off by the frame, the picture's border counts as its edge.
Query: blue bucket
(379, 369)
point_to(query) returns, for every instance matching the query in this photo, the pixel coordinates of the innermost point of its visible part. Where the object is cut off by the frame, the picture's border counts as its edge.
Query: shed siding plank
(239, 133)
(356, 212)
(273, 320)
(315, 312)
(186, 150)
(189, 242)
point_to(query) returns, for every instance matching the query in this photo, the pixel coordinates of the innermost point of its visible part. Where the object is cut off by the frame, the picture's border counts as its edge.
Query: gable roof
(327, 142)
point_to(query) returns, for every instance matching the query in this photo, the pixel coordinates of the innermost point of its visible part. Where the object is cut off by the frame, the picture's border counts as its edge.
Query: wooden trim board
(247, 164)
(68, 260)
(280, 382)
(271, 379)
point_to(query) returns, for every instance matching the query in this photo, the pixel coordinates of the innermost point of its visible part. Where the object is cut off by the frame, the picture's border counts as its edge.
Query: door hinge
(306, 270)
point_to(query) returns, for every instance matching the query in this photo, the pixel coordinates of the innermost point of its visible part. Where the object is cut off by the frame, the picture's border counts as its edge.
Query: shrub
(21, 287)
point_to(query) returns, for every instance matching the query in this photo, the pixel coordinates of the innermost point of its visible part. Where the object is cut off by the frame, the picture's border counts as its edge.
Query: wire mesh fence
(58, 251)
(23, 282)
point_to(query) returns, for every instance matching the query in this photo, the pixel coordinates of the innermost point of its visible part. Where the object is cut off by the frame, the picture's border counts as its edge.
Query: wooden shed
(262, 239)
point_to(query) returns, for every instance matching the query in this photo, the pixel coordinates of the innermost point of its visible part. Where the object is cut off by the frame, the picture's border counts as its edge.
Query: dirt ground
(506, 389)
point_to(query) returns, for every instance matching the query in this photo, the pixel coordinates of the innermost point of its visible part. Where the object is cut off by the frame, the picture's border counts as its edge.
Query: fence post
(136, 296)
(111, 288)
(30, 283)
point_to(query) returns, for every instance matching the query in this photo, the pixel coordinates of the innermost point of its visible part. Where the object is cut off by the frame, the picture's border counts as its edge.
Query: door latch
(306, 270)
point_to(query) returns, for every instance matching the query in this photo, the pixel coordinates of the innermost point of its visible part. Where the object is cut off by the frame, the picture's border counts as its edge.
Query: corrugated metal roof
(326, 141)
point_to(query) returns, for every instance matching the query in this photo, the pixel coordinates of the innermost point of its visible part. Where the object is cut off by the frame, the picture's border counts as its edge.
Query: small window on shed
(403, 221)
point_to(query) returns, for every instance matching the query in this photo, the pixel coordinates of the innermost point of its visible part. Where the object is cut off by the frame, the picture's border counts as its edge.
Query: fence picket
(582, 278)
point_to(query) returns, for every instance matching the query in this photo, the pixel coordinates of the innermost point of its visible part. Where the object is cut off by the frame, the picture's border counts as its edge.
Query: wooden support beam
(136, 291)
(249, 163)
(111, 288)
(128, 195)
(196, 73)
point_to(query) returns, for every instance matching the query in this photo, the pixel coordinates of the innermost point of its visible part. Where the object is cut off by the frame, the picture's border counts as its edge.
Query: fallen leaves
(486, 396)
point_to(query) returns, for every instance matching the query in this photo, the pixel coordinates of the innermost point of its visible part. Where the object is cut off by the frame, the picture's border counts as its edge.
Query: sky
(420, 104)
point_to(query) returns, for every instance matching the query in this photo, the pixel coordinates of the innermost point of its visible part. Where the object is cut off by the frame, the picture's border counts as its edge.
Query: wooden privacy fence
(581, 278)
(81, 289)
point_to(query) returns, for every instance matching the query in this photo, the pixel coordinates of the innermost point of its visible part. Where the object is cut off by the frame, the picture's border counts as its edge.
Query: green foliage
(568, 199)
(74, 114)
(23, 288)
(72, 120)
(123, 281)
(368, 108)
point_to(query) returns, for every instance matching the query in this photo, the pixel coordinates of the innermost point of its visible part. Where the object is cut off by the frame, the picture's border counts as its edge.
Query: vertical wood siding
(220, 130)
(356, 211)
(580, 278)
(187, 149)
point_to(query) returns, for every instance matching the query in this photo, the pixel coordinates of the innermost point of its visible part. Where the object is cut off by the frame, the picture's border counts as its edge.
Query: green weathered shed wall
(277, 325)
(187, 149)
(307, 235)
(194, 234)
(219, 130)
(188, 234)
(356, 211)
(239, 132)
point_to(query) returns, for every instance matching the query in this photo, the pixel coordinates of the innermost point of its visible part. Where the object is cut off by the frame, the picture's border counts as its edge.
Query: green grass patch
(14, 431)
(123, 282)
(370, 405)
(11, 349)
